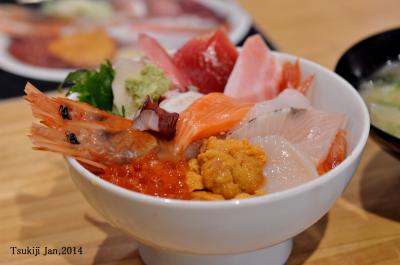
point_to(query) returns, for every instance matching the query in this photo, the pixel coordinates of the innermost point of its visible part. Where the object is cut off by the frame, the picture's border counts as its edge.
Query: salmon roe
(150, 175)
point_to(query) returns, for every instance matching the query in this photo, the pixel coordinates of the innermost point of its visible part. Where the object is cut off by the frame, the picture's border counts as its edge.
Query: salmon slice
(287, 166)
(158, 56)
(256, 74)
(311, 131)
(209, 115)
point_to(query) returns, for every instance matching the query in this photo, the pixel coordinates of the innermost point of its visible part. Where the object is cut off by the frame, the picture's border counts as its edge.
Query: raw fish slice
(256, 74)
(178, 102)
(288, 98)
(286, 167)
(311, 131)
(157, 55)
(207, 61)
(209, 115)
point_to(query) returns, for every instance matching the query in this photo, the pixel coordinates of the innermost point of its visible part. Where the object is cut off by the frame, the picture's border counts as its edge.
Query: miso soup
(381, 92)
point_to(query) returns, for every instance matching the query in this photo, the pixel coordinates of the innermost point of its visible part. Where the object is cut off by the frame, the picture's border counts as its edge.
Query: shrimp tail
(305, 85)
(291, 77)
(336, 155)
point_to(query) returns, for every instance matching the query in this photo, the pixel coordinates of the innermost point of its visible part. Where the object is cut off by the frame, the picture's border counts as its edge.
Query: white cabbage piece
(124, 69)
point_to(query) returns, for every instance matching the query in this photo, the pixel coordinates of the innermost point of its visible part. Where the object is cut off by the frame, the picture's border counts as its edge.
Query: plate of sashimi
(208, 121)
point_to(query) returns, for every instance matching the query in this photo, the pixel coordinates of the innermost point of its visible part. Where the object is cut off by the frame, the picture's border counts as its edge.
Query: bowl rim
(361, 41)
(189, 204)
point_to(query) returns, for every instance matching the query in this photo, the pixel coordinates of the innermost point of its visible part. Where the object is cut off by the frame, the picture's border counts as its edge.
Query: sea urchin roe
(228, 167)
(150, 175)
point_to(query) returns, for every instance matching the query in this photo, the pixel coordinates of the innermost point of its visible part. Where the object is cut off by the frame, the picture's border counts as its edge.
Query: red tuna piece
(207, 61)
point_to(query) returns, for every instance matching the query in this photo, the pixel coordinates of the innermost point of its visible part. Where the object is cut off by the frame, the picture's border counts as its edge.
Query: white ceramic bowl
(250, 231)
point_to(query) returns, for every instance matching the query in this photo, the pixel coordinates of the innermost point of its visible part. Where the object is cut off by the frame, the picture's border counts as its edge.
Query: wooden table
(40, 206)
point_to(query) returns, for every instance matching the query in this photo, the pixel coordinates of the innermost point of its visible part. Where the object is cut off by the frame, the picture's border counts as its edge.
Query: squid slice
(286, 166)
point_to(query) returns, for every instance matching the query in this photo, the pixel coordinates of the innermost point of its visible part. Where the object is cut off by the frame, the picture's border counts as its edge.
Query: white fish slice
(288, 98)
(177, 102)
(311, 131)
(286, 166)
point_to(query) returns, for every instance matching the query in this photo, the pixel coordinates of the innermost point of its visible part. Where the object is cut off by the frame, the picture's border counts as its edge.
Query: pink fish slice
(256, 74)
(158, 56)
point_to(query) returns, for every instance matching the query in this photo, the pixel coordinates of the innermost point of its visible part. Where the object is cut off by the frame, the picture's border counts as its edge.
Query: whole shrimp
(81, 131)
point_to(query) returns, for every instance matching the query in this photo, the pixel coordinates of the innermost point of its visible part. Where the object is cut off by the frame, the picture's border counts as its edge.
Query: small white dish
(237, 18)
(10, 64)
(251, 231)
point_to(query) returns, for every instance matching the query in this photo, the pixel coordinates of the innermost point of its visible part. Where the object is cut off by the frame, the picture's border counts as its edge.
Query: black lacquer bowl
(363, 59)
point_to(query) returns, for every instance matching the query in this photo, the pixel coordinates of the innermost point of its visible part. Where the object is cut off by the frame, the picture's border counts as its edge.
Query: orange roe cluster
(152, 176)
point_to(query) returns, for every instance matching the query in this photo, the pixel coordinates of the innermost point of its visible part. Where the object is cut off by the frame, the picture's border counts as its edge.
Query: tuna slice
(158, 56)
(286, 167)
(207, 61)
(256, 74)
(311, 131)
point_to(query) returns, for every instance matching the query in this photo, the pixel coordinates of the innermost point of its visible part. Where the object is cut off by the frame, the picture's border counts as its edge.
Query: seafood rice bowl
(207, 154)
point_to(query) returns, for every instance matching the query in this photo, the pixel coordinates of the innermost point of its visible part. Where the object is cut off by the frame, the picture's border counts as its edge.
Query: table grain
(40, 206)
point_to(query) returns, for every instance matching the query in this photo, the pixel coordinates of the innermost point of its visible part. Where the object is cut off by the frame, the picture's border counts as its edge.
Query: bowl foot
(275, 255)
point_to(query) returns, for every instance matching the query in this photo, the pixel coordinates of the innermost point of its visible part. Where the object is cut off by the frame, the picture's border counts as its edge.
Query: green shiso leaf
(94, 87)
